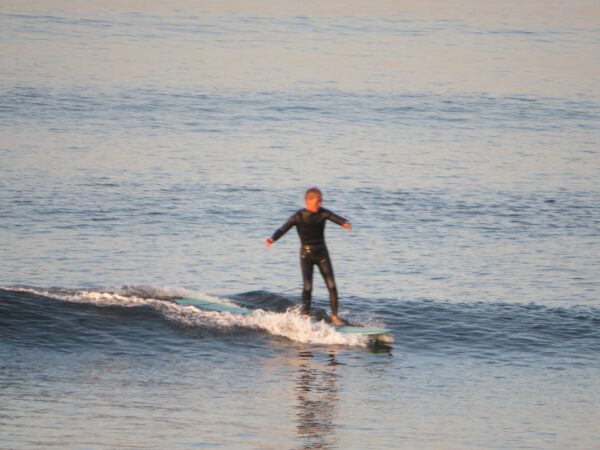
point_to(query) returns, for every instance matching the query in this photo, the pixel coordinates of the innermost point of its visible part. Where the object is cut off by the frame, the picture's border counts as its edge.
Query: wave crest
(289, 324)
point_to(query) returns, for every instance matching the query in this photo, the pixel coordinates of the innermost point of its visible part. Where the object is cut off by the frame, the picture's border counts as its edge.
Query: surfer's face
(313, 203)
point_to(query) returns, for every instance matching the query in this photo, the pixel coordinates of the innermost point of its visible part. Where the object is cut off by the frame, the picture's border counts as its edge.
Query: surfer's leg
(306, 265)
(326, 269)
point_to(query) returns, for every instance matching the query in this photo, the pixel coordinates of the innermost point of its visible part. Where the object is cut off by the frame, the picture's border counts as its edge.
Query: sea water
(148, 149)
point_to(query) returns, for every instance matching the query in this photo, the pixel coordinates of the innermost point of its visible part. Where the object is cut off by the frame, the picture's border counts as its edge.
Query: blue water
(147, 152)
(122, 370)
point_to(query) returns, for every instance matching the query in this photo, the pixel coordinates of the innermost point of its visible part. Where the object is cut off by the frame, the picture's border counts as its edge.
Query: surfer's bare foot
(336, 321)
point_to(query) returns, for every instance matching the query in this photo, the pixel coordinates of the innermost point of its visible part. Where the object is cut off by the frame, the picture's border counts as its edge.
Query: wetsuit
(311, 228)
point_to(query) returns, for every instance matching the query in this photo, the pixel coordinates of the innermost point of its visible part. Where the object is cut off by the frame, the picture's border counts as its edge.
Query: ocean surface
(148, 149)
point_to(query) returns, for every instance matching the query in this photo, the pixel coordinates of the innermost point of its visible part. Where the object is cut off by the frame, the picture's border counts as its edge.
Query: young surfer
(310, 224)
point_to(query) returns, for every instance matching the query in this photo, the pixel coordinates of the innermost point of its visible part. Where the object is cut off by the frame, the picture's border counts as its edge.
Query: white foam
(291, 324)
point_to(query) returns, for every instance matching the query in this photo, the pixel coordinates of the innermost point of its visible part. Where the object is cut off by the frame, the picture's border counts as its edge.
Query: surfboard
(372, 332)
(208, 305)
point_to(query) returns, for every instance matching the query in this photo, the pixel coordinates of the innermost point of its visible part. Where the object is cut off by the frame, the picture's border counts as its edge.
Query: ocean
(147, 150)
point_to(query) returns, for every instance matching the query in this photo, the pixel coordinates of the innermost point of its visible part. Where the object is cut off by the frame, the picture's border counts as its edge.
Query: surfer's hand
(348, 226)
(269, 242)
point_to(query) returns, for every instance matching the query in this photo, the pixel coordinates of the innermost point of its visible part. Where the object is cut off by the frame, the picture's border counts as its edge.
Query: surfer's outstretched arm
(338, 220)
(282, 230)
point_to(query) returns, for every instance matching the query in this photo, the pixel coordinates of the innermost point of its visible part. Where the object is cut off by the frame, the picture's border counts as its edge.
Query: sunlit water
(145, 154)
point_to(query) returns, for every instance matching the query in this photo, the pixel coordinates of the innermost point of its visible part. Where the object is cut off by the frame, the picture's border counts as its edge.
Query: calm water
(145, 154)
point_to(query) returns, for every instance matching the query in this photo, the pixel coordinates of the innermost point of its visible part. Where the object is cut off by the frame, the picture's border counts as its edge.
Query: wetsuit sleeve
(285, 227)
(335, 218)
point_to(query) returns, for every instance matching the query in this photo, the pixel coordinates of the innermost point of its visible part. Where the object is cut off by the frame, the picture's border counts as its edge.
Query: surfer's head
(313, 199)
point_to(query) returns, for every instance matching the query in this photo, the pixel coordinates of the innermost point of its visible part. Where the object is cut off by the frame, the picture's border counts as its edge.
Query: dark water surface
(148, 373)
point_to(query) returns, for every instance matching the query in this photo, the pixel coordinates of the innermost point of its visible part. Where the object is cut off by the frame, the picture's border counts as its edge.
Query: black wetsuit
(311, 228)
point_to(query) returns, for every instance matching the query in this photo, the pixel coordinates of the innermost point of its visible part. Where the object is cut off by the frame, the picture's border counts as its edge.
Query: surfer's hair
(313, 192)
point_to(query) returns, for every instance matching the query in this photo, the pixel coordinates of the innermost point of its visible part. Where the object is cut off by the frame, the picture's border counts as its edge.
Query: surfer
(310, 224)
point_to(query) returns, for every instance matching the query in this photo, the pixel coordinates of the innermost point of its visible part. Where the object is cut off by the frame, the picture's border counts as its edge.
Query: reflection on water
(317, 401)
